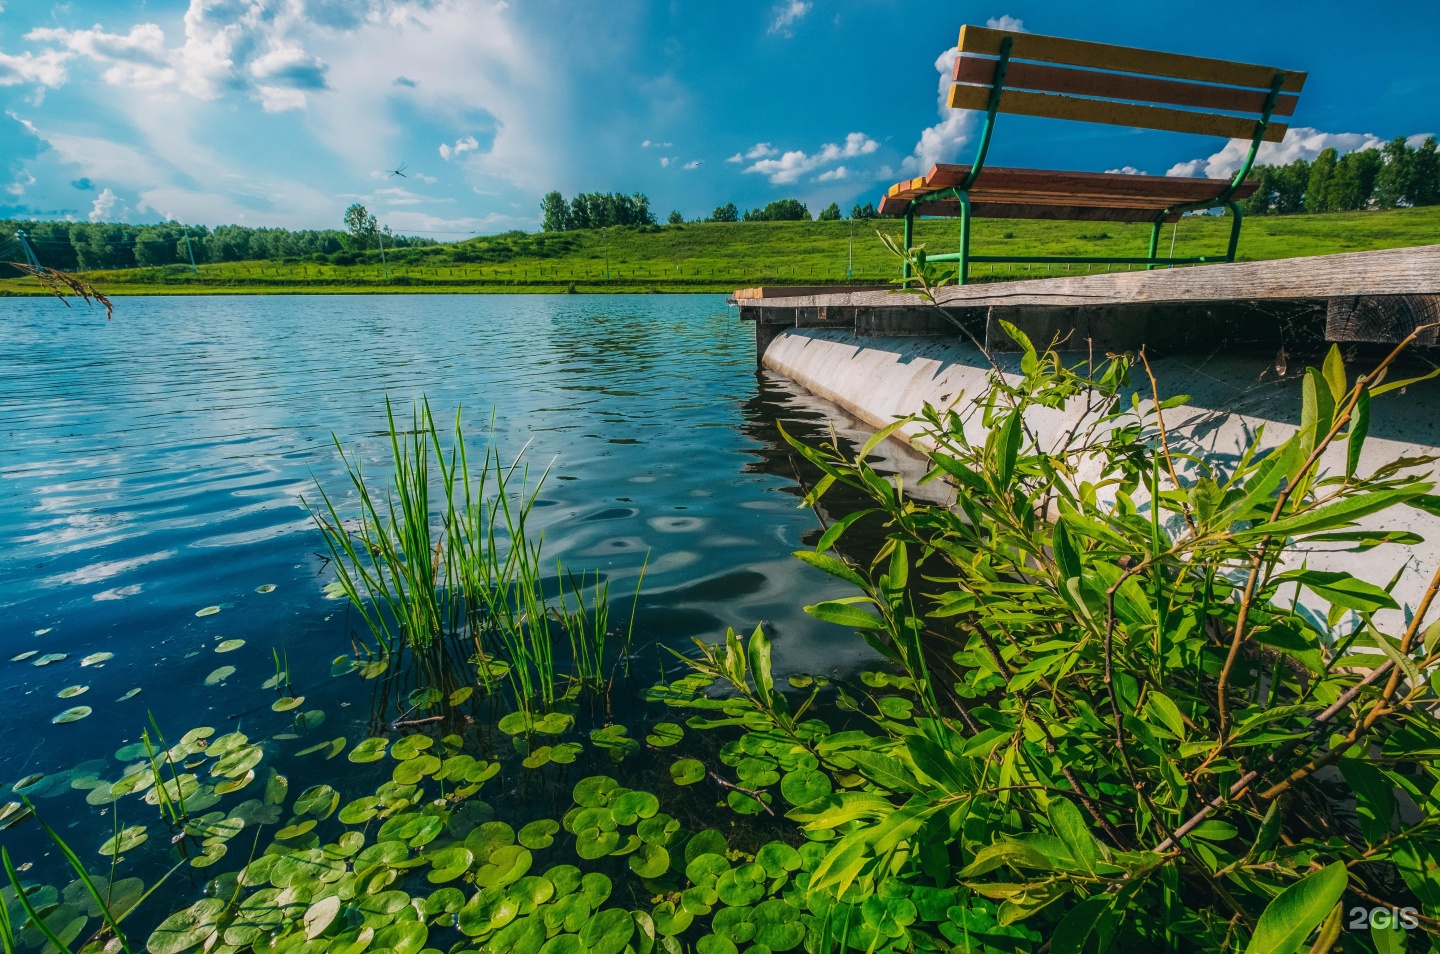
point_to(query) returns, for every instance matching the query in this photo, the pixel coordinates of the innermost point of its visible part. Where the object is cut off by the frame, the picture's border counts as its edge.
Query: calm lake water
(156, 464)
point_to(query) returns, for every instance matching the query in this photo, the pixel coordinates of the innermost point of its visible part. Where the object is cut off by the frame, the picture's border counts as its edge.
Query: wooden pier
(1357, 296)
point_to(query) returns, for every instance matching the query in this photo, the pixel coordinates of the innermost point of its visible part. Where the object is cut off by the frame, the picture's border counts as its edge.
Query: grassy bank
(717, 257)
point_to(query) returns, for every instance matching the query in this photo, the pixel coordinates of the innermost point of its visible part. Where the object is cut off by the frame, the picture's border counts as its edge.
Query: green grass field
(715, 257)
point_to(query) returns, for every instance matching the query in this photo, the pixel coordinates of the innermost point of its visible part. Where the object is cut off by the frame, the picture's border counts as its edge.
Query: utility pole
(381, 236)
(850, 265)
(191, 252)
(29, 252)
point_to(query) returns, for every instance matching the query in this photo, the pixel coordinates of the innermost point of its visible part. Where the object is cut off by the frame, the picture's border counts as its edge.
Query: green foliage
(1395, 175)
(725, 213)
(1141, 726)
(781, 210)
(831, 213)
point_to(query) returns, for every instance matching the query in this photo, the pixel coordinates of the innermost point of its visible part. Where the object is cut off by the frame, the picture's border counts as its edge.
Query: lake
(159, 464)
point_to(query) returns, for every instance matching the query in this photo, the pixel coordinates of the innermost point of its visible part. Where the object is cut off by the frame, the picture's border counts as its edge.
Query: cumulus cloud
(462, 146)
(44, 69)
(694, 164)
(651, 144)
(940, 142)
(787, 15)
(22, 181)
(106, 207)
(792, 165)
(1126, 171)
(1300, 142)
(833, 175)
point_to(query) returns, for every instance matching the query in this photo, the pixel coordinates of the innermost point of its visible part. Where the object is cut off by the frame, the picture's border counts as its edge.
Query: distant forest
(1396, 174)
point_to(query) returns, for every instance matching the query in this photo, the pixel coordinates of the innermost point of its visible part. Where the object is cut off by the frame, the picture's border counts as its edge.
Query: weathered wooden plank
(1109, 112)
(1383, 318)
(791, 291)
(996, 181)
(1396, 271)
(1106, 56)
(1146, 89)
(1046, 212)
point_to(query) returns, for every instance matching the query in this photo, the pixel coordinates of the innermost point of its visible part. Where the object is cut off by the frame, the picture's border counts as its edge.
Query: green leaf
(1405, 383)
(842, 614)
(1317, 412)
(832, 565)
(1342, 513)
(832, 533)
(1165, 709)
(687, 771)
(1334, 373)
(1070, 825)
(758, 651)
(1067, 556)
(1359, 428)
(1288, 920)
(1342, 589)
(1079, 924)
(1007, 447)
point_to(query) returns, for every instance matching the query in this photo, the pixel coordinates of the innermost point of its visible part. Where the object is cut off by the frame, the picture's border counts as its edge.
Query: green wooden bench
(999, 71)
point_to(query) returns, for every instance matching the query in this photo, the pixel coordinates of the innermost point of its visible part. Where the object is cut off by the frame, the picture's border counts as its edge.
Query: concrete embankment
(1236, 399)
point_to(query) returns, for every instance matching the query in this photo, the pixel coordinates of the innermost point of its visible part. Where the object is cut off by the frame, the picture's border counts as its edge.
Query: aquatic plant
(430, 578)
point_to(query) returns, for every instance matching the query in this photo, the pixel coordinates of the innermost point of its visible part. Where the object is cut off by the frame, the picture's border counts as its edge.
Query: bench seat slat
(1081, 82)
(1056, 106)
(1040, 194)
(1105, 56)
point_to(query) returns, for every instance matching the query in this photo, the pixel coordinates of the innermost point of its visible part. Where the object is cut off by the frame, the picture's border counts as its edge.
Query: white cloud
(650, 144)
(834, 175)
(940, 142)
(736, 158)
(45, 69)
(787, 15)
(106, 207)
(1126, 171)
(1300, 142)
(462, 146)
(1006, 22)
(428, 180)
(664, 162)
(277, 99)
(792, 165)
(694, 164)
(23, 180)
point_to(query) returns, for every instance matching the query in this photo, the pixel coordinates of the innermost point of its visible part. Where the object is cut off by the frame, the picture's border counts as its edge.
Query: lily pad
(124, 840)
(633, 806)
(687, 771)
(72, 715)
(185, 929)
(95, 659)
(317, 800)
(229, 645)
(319, 916)
(369, 750)
(539, 834)
(663, 734)
(49, 658)
(218, 676)
(447, 864)
(70, 692)
(650, 861)
(28, 654)
(286, 703)
(208, 611)
(607, 932)
(12, 813)
(410, 746)
(129, 695)
(265, 588)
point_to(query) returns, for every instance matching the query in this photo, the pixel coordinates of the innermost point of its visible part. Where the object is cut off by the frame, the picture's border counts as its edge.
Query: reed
(446, 565)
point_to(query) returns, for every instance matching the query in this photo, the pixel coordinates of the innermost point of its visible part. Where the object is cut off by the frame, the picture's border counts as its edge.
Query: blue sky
(283, 112)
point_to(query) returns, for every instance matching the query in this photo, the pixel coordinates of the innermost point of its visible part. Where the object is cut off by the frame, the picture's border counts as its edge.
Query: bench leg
(1154, 242)
(909, 238)
(962, 273)
(1237, 220)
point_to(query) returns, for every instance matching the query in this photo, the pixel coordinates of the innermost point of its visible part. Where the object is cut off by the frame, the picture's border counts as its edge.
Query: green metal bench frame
(964, 259)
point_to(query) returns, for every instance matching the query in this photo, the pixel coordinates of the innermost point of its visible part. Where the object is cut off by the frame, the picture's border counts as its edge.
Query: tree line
(1392, 176)
(595, 210)
(86, 246)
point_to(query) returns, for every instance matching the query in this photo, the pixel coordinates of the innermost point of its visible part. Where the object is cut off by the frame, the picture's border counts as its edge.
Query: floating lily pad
(218, 676)
(286, 703)
(28, 654)
(410, 746)
(331, 749)
(595, 791)
(185, 929)
(663, 734)
(687, 771)
(210, 853)
(802, 787)
(321, 914)
(607, 932)
(630, 807)
(95, 659)
(318, 800)
(129, 695)
(72, 715)
(125, 840)
(539, 834)
(70, 692)
(650, 861)
(49, 658)
(335, 590)
(460, 695)
(447, 864)
(208, 611)
(12, 813)
(369, 750)
(265, 588)
(229, 645)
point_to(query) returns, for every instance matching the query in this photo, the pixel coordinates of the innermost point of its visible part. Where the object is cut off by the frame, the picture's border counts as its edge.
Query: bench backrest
(1100, 83)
